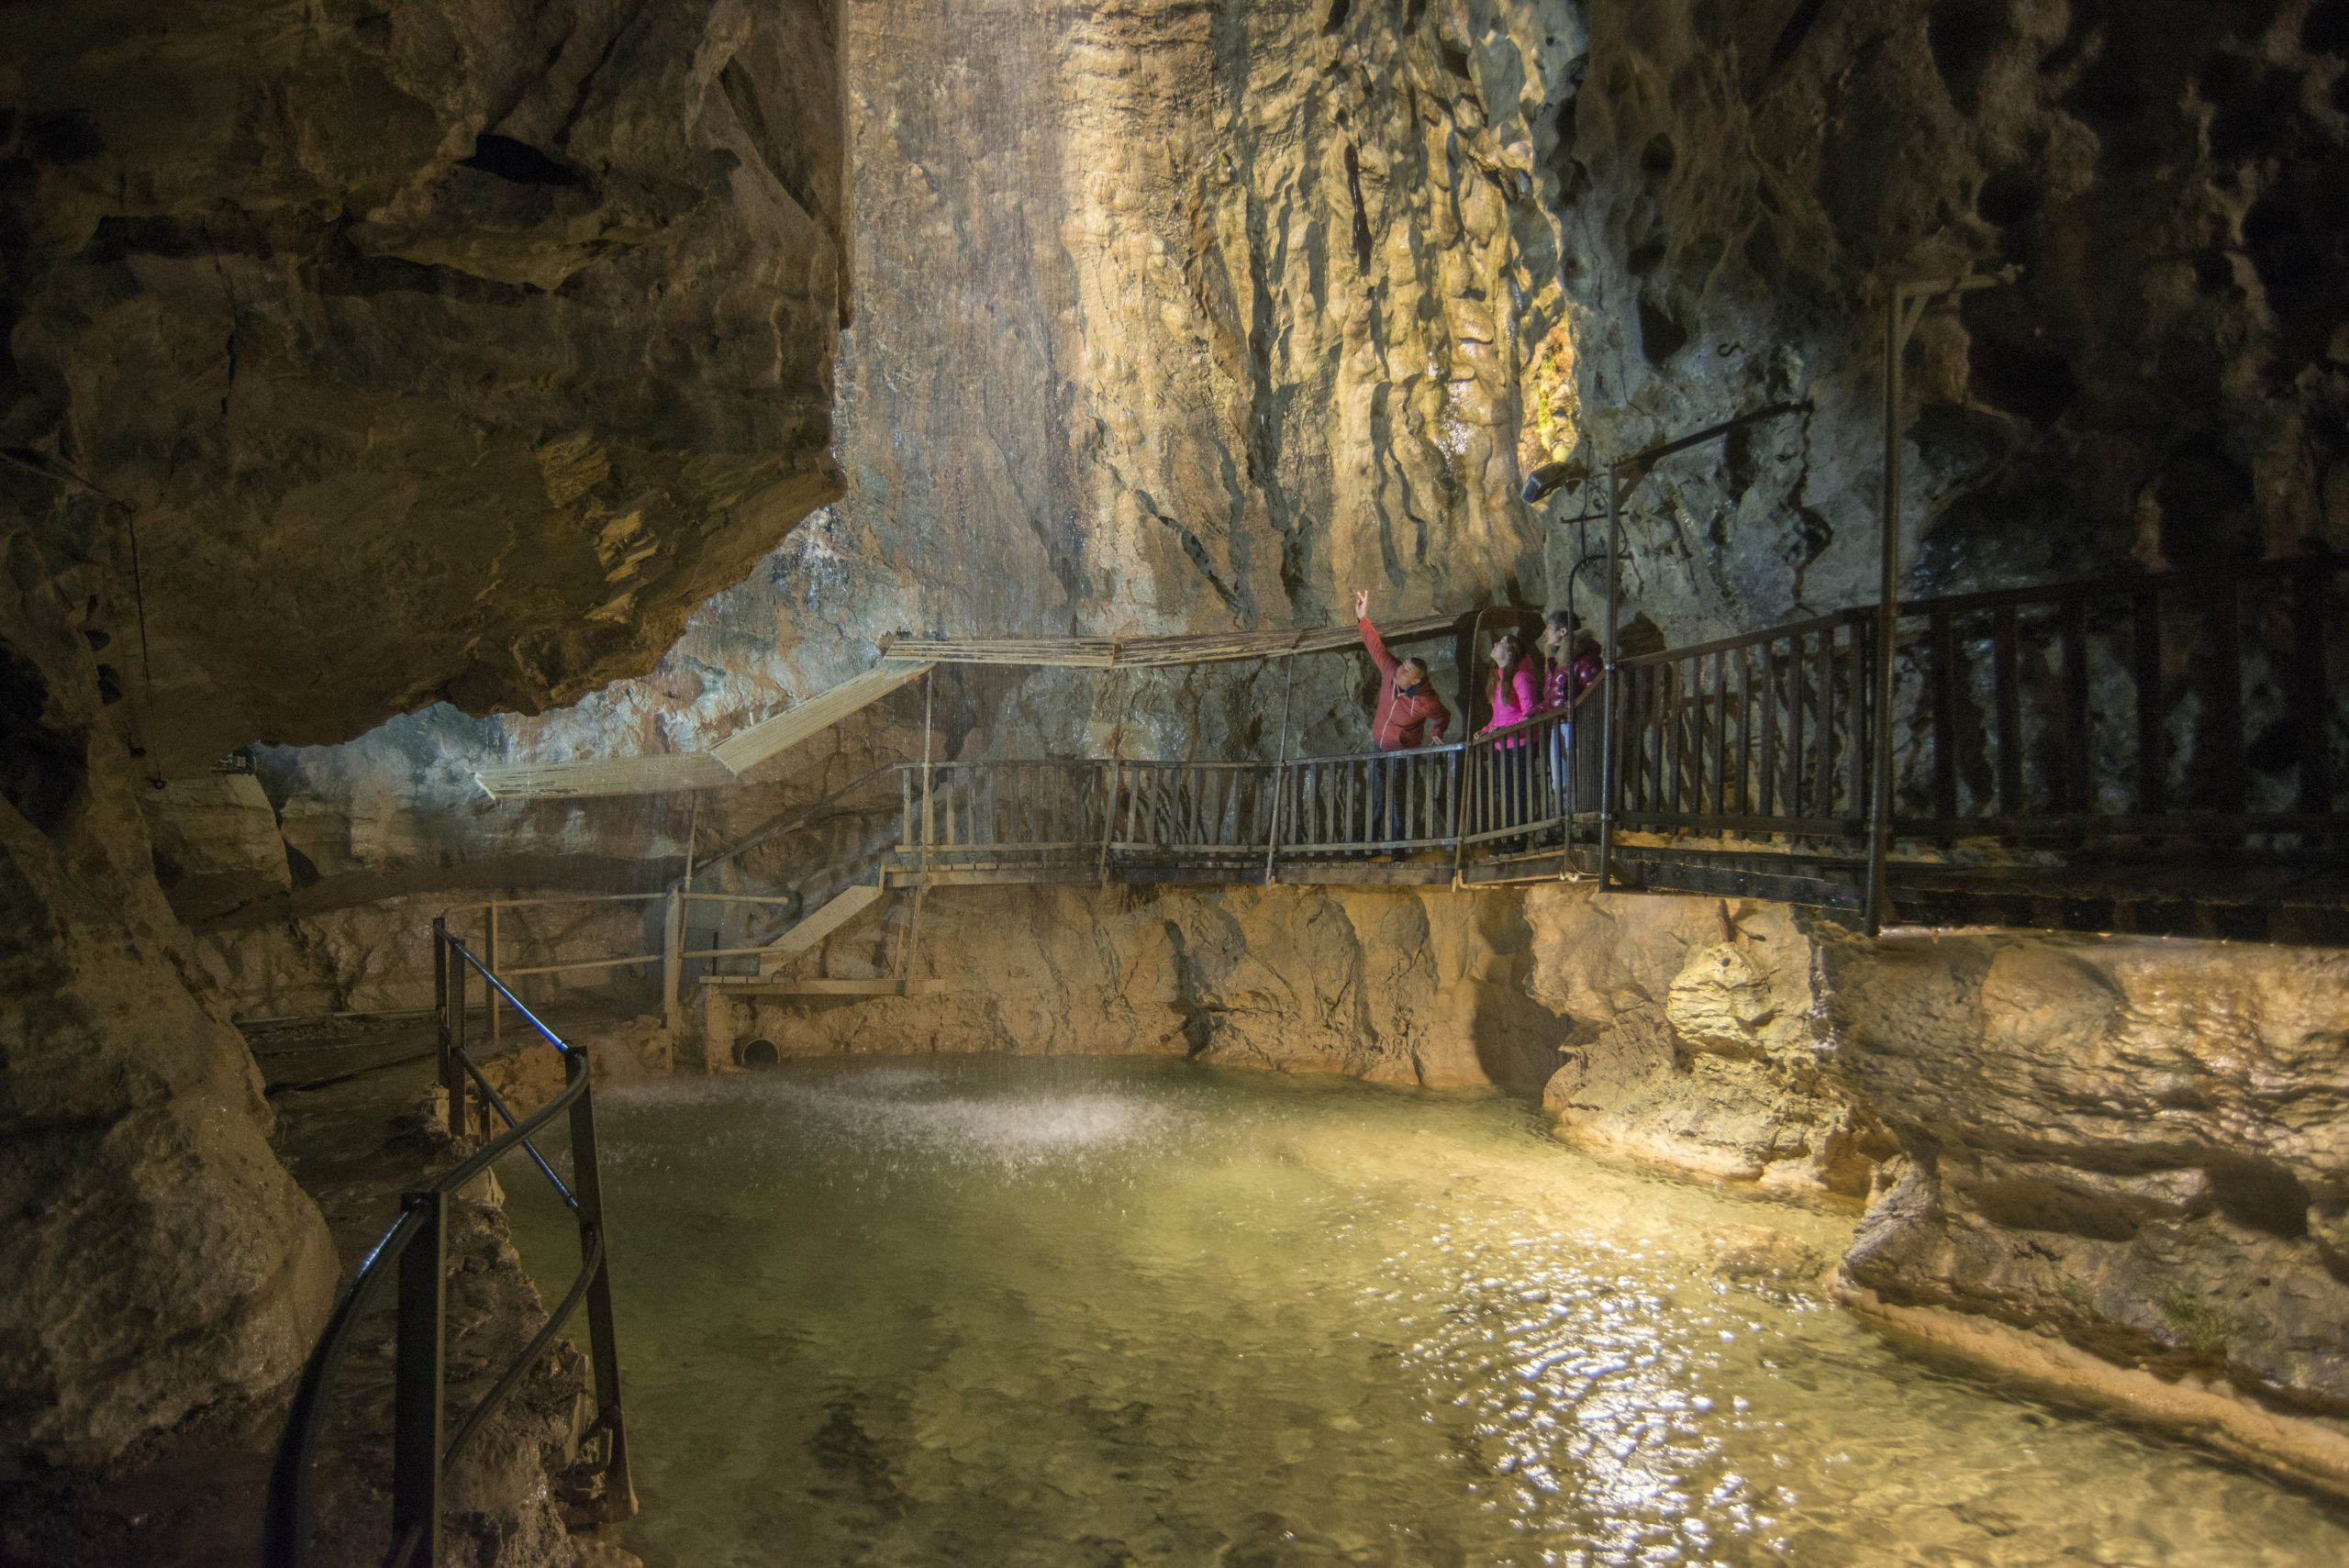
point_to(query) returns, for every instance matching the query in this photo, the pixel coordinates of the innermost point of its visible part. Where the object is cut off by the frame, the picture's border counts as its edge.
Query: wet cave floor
(1064, 1312)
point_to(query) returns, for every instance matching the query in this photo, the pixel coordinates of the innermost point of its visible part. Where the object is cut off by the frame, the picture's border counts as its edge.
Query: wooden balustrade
(2198, 704)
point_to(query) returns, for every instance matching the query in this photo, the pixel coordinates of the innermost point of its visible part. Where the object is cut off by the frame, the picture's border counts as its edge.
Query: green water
(1006, 1312)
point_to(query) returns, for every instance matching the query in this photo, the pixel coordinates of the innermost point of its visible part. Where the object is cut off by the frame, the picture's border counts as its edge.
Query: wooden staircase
(843, 907)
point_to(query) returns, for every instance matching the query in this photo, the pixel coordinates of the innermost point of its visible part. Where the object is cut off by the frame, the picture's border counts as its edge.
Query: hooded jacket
(1404, 720)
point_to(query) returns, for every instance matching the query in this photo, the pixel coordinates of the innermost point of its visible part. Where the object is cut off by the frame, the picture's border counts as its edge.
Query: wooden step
(752, 986)
(845, 905)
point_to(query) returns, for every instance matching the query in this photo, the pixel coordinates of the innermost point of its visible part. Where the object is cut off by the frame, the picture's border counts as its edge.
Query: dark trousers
(1387, 806)
(1513, 770)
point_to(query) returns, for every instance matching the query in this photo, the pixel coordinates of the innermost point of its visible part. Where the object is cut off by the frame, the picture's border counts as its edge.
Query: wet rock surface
(1694, 1044)
(1399, 986)
(358, 1125)
(2129, 1146)
(160, 1261)
(424, 349)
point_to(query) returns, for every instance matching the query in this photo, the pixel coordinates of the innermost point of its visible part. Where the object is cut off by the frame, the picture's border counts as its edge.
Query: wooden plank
(1145, 652)
(2224, 688)
(2152, 754)
(745, 985)
(843, 907)
(2310, 714)
(1675, 795)
(1826, 623)
(1823, 803)
(2007, 699)
(1946, 677)
(2072, 635)
(611, 775)
(1856, 699)
(1721, 731)
(1746, 746)
(748, 749)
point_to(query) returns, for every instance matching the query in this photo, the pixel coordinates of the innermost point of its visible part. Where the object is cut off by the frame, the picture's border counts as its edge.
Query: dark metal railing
(2193, 704)
(1497, 788)
(2117, 707)
(1765, 733)
(414, 1253)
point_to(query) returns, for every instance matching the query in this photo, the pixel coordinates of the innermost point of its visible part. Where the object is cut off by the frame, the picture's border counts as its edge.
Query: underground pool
(1084, 1312)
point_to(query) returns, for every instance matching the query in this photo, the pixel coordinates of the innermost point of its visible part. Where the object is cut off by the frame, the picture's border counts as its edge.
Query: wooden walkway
(2155, 753)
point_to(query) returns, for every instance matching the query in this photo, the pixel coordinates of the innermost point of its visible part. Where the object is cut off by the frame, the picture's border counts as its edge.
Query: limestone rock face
(421, 349)
(160, 1260)
(358, 356)
(2165, 384)
(1177, 321)
(2139, 1145)
(1395, 986)
(1694, 1042)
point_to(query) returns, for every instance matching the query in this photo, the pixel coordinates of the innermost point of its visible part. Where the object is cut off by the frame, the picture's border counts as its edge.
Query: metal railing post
(673, 963)
(1459, 810)
(417, 1387)
(1280, 770)
(603, 1351)
(489, 940)
(1109, 819)
(441, 993)
(1878, 745)
(452, 1076)
(1607, 747)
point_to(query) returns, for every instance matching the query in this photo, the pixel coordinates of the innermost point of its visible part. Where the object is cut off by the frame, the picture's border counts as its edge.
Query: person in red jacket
(1409, 714)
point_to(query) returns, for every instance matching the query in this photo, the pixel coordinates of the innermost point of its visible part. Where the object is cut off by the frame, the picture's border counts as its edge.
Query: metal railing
(2121, 706)
(414, 1253)
(1765, 733)
(1494, 792)
(2181, 705)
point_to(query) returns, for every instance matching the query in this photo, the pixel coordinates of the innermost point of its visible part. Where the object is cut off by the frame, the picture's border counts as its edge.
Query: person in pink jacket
(1516, 694)
(1516, 691)
(1575, 668)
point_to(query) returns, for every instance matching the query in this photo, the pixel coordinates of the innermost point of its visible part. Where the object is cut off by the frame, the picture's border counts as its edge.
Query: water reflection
(1073, 1312)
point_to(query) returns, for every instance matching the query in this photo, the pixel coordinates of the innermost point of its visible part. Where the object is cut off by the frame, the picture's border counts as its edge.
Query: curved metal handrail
(286, 1525)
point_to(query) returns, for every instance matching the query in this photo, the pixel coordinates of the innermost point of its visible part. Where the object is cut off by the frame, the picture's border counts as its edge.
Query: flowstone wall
(357, 356)
(1187, 320)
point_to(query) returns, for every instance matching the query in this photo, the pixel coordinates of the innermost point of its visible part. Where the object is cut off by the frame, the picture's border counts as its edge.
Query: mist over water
(1010, 1311)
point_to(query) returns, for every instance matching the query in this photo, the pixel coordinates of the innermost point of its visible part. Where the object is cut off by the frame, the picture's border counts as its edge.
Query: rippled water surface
(1008, 1312)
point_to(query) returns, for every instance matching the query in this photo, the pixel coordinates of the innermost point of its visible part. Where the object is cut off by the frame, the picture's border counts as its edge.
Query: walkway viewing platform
(2153, 752)
(2156, 754)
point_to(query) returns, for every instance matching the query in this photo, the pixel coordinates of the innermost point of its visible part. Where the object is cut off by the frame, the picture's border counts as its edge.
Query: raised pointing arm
(1370, 638)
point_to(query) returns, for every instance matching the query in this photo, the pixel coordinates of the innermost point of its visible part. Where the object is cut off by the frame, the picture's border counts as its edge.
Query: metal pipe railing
(413, 1254)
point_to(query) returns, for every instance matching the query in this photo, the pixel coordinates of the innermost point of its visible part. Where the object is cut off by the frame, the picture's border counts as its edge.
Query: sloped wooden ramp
(723, 764)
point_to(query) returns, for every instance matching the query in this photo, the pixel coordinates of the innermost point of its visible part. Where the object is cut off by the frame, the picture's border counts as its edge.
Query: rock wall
(2124, 1169)
(358, 356)
(377, 958)
(1696, 1043)
(1399, 986)
(1675, 1030)
(1184, 320)
(2164, 383)
(160, 1259)
(367, 354)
